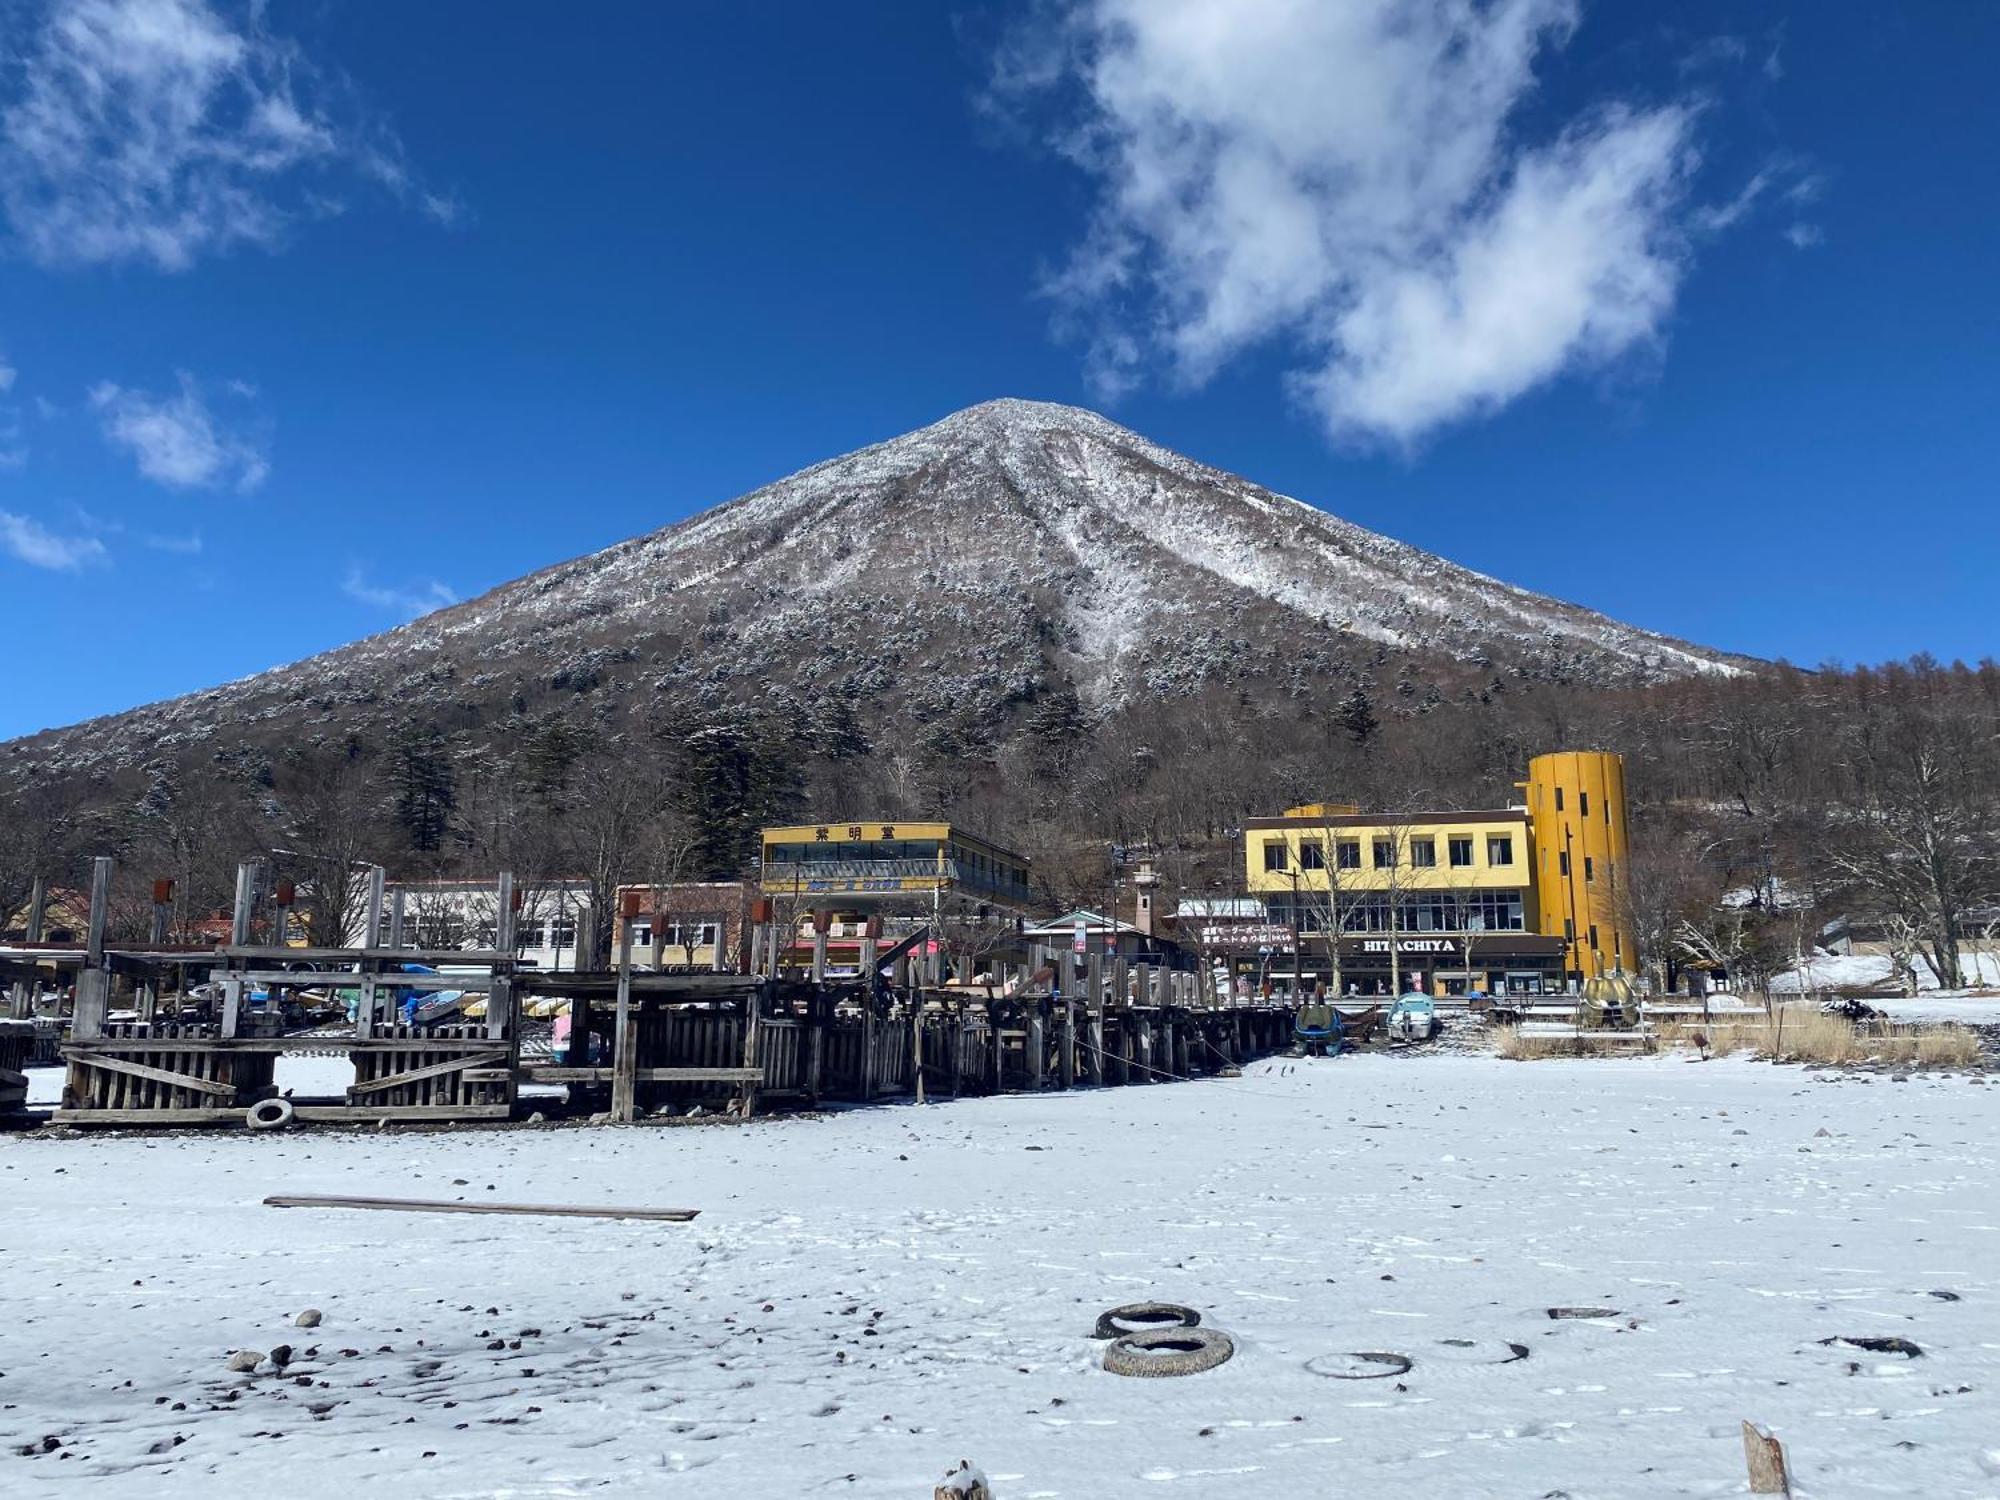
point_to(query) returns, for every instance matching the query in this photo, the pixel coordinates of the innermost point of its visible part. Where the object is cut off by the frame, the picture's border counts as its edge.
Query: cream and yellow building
(1537, 889)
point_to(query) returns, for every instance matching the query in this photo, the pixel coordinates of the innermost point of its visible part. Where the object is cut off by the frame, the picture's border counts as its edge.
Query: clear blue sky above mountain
(315, 320)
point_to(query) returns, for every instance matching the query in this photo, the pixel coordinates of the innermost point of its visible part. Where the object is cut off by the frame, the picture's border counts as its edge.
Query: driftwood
(1765, 1456)
(440, 1206)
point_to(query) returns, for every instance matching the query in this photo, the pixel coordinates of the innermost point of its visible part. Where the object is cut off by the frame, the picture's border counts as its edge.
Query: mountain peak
(949, 575)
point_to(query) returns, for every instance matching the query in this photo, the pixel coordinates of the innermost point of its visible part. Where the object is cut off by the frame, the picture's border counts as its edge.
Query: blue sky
(313, 320)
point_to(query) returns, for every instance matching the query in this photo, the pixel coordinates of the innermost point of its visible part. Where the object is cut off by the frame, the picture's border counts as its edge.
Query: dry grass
(1510, 1043)
(1794, 1033)
(1805, 1034)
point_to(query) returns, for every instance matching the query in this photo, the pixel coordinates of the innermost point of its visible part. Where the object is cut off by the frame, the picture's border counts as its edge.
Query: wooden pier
(640, 1042)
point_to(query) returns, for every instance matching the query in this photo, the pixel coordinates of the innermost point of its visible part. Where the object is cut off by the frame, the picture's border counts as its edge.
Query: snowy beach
(870, 1297)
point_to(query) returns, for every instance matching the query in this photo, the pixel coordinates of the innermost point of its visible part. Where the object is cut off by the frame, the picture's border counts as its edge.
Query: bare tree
(332, 827)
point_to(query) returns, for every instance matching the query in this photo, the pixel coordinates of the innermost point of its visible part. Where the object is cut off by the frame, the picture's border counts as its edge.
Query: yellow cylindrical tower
(1576, 815)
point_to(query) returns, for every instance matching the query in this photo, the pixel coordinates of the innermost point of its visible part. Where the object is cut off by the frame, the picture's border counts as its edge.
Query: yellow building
(889, 859)
(1576, 805)
(1519, 899)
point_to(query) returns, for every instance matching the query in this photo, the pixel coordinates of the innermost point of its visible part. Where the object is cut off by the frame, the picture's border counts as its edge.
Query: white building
(441, 914)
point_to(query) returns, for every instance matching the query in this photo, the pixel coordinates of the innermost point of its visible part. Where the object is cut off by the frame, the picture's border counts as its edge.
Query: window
(642, 934)
(1569, 929)
(1312, 855)
(1559, 799)
(1274, 855)
(1385, 854)
(1348, 852)
(527, 934)
(1583, 804)
(1593, 937)
(1500, 849)
(1424, 853)
(1461, 854)
(1589, 869)
(1562, 863)
(563, 934)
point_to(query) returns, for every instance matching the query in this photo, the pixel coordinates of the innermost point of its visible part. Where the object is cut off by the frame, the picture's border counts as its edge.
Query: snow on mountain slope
(1010, 544)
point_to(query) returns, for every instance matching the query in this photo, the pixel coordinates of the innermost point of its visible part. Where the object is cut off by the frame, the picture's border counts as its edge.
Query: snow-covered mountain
(972, 563)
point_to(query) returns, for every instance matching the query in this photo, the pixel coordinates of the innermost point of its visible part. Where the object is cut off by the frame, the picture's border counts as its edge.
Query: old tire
(1360, 1364)
(1168, 1351)
(1144, 1317)
(269, 1114)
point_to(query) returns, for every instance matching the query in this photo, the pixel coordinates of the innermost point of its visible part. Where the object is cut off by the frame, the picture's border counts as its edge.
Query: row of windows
(1617, 943)
(560, 933)
(974, 865)
(676, 935)
(1582, 804)
(1589, 867)
(1416, 911)
(1384, 852)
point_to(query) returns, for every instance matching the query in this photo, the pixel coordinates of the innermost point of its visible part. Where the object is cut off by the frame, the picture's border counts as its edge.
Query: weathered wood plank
(187, 1116)
(449, 1065)
(441, 1206)
(334, 1114)
(124, 1065)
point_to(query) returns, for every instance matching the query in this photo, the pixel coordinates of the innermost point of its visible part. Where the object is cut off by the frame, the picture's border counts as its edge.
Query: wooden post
(999, 1047)
(1095, 997)
(239, 936)
(21, 995)
(624, 1054)
(753, 1011)
(1066, 1064)
(163, 915)
(818, 1014)
(500, 998)
(368, 1011)
(398, 899)
(1764, 1455)
(93, 983)
(1038, 1052)
(820, 920)
(867, 1044)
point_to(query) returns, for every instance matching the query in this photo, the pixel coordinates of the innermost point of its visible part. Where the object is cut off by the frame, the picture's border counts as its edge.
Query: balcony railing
(778, 876)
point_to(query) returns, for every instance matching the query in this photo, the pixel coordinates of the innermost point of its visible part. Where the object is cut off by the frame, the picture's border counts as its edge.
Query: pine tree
(426, 787)
(1057, 729)
(1356, 715)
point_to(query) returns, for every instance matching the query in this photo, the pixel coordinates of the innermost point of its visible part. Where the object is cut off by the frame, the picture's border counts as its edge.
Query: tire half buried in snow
(1144, 1317)
(1168, 1351)
(1359, 1364)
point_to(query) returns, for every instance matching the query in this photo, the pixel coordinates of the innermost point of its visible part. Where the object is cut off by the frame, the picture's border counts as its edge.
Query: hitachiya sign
(1409, 945)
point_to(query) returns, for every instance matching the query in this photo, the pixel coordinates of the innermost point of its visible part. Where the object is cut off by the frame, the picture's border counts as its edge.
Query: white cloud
(182, 546)
(7, 374)
(162, 130)
(177, 440)
(411, 601)
(1344, 181)
(31, 542)
(1803, 236)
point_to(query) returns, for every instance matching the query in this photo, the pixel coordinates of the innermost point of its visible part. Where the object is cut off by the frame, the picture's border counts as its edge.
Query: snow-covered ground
(1840, 971)
(868, 1298)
